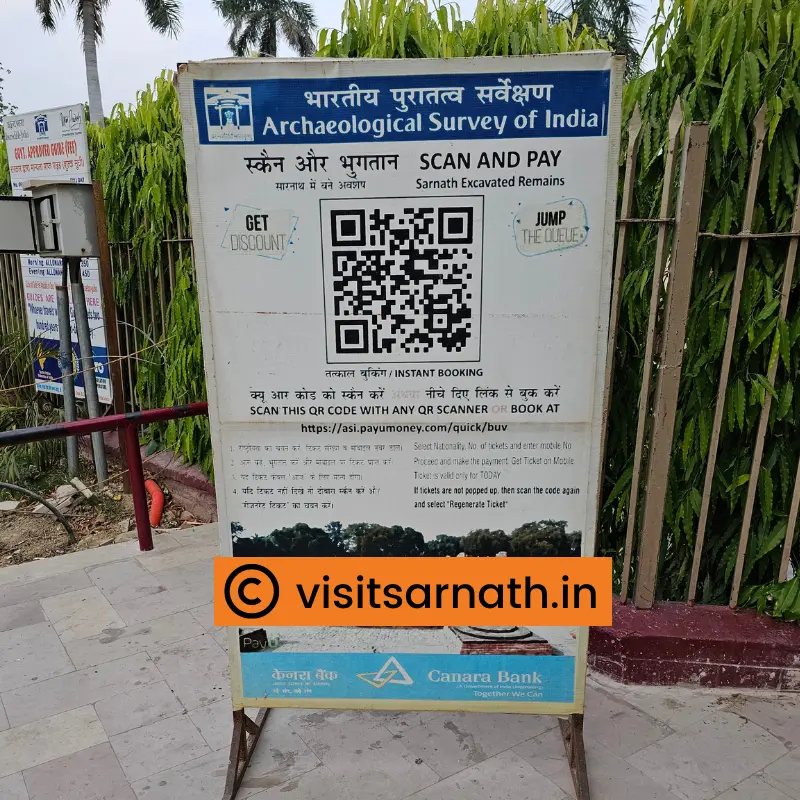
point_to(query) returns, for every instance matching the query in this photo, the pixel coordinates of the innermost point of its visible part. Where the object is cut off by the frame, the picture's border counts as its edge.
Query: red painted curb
(710, 646)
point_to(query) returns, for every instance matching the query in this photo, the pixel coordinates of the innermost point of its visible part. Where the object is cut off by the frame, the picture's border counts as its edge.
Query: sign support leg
(246, 733)
(572, 732)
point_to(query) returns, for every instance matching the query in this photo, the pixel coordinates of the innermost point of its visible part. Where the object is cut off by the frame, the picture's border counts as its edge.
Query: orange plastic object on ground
(157, 502)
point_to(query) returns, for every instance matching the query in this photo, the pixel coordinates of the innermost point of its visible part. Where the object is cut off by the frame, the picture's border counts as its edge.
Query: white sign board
(53, 145)
(40, 276)
(44, 145)
(404, 272)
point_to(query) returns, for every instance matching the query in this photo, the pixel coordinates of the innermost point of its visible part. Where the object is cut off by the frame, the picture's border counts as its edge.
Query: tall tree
(163, 16)
(256, 25)
(614, 20)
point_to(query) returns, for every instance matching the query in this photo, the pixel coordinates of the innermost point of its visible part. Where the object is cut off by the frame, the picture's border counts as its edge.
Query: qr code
(402, 278)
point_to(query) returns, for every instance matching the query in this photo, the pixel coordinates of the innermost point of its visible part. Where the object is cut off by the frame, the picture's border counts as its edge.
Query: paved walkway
(98, 699)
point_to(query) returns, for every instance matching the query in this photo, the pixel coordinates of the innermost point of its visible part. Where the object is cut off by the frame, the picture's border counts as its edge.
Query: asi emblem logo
(391, 672)
(40, 124)
(229, 114)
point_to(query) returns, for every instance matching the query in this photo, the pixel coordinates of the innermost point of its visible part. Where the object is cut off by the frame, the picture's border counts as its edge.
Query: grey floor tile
(124, 581)
(401, 721)
(200, 779)
(32, 653)
(25, 591)
(20, 615)
(369, 762)
(452, 742)
(619, 727)
(215, 723)
(610, 777)
(81, 559)
(676, 706)
(707, 758)
(753, 788)
(786, 770)
(281, 755)
(198, 535)
(137, 707)
(115, 643)
(204, 615)
(13, 787)
(91, 774)
(318, 784)
(195, 669)
(503, 777)
(196, 574)
(170, 601)
(3, 717)
(76, 615)
(162, 745)
(156, 561)
(42, 741)
(777, 714)
(80, 688)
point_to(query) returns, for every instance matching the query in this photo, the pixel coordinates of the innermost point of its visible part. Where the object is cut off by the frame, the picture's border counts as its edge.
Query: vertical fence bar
(727, 354)
(634, 130)
(5, 311)
(786, 288)
(790, 525)
(659, 265)
(162, 294)
(687, 224)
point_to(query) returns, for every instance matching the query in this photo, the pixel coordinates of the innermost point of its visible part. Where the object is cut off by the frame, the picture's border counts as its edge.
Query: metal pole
(87, 368)
(136, 472)
(67, 376)
(110, 318)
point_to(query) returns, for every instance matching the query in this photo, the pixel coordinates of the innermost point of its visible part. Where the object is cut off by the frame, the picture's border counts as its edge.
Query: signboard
(40, 276)
(44, 145)
(404, 273)
(53, 145)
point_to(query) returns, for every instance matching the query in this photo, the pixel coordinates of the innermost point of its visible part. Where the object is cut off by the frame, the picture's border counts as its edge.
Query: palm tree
(163, 16)
(612, 19)
(255, 25)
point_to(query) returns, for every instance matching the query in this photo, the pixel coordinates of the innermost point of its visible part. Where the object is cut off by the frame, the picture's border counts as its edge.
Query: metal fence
(669, 305)
(143, 322)
(142, 314)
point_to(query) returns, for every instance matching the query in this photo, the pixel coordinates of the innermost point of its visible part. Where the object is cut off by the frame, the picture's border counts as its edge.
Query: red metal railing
(127, 425)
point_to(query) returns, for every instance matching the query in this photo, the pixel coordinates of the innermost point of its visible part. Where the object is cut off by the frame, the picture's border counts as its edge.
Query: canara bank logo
(229, 114)
(391, 672)
(40, 124)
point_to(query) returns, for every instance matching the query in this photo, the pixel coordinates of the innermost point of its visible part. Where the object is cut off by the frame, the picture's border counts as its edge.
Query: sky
(47, 69)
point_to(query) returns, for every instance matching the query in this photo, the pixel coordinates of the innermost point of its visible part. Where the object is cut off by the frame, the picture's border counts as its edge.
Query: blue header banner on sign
(409, 676)
(404, 108)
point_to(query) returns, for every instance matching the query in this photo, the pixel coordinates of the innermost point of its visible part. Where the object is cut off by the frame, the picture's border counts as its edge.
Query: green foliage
(380, 540)
(779, 600)
(257, 24)
(614, 20)
(722, 59)
(21, 406)
(417, 29)
(5, 175)
(139, 157)
(545, 538)
(484, 542)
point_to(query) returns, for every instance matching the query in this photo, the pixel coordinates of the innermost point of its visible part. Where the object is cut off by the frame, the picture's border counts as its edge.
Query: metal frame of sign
(246, 731)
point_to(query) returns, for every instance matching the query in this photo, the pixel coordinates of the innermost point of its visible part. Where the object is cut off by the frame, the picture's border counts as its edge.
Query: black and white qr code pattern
(402, 278)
